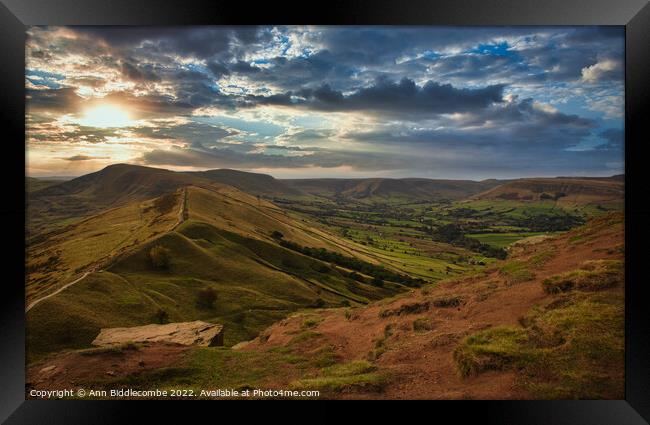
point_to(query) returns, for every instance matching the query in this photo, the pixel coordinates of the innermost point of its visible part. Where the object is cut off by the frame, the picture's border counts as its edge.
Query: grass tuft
(592, 276)
(447, 301)
(571, 348)
(516, 272)
(358, 375)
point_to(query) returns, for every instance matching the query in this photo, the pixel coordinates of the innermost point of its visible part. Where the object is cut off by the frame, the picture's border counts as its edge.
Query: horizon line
(71, 177)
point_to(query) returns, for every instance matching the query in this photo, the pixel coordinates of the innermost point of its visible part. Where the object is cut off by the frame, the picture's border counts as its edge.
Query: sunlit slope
(91, 243)
(256, 282)
(237, 212)
(60, 204)
(566, 191)
(390, 190)
(224, 243)
(253, 183)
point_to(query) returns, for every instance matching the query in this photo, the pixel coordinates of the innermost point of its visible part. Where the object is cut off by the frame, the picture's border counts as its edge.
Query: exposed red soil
(73, 368)
(421, 363)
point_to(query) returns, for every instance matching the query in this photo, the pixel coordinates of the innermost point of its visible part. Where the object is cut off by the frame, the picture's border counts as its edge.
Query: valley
(347, 285)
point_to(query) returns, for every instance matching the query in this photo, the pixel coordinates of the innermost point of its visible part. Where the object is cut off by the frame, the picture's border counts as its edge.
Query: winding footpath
(179, 221)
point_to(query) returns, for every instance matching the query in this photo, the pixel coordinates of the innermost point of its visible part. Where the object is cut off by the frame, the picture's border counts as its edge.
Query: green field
(502, 240)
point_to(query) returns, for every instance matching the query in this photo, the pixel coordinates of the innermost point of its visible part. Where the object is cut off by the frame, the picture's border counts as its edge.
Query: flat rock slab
(183, 333)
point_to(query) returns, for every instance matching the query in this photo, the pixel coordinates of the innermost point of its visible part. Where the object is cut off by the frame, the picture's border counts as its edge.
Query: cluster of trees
(550, 223)
(554, 197)
(453, 234)
(378, 273)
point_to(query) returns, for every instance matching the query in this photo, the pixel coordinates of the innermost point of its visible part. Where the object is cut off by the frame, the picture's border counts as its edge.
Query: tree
(160, 257)
(377, 282)
(277, 235)
(206, 297)
(161, 316)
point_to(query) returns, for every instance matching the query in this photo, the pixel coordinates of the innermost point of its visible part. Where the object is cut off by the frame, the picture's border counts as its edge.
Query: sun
(106, 115)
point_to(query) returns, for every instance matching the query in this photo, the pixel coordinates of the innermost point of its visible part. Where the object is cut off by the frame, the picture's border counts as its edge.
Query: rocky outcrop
(183, 333)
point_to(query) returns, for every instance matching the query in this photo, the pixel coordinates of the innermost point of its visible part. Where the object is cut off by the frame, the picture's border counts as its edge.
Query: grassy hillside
(545, 323)
(382, 190)
(256, 283)
(88, 244)
(565, 191)
(322, 280)
(237, 212)
(53, 207)
(252, 183)
(33, 184)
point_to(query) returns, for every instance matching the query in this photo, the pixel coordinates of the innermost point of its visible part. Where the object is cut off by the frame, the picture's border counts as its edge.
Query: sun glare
(106, 116)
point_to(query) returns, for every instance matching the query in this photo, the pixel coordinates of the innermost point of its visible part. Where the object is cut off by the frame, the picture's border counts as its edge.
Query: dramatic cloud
(474, 102)
(404, 97)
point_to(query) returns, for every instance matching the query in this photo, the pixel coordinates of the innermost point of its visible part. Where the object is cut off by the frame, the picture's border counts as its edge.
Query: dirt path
(182, 212)
(33, 303)
(107, 260)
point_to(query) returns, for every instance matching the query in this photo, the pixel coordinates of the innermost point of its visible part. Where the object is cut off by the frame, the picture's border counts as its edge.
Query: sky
(297, 102)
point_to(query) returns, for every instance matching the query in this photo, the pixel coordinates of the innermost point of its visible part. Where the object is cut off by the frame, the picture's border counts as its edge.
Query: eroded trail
(33, 303)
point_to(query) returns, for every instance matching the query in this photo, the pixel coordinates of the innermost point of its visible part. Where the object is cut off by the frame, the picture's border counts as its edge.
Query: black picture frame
(633, 14)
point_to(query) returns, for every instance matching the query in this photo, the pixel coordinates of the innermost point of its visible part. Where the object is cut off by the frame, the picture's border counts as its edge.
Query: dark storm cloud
(136, 73)
(517, 126)
(392, 98)
(191, 40)
(242, 67)
(525, 113)
(406, 96)
(218, 69)
(302, 71)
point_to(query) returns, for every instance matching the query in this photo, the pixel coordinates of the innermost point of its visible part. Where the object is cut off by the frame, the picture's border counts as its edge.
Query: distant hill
(566, 190)
(378, 189)
(33, 184)
(253, 183)
(120, 181)
(53, 204)
(110, 187)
